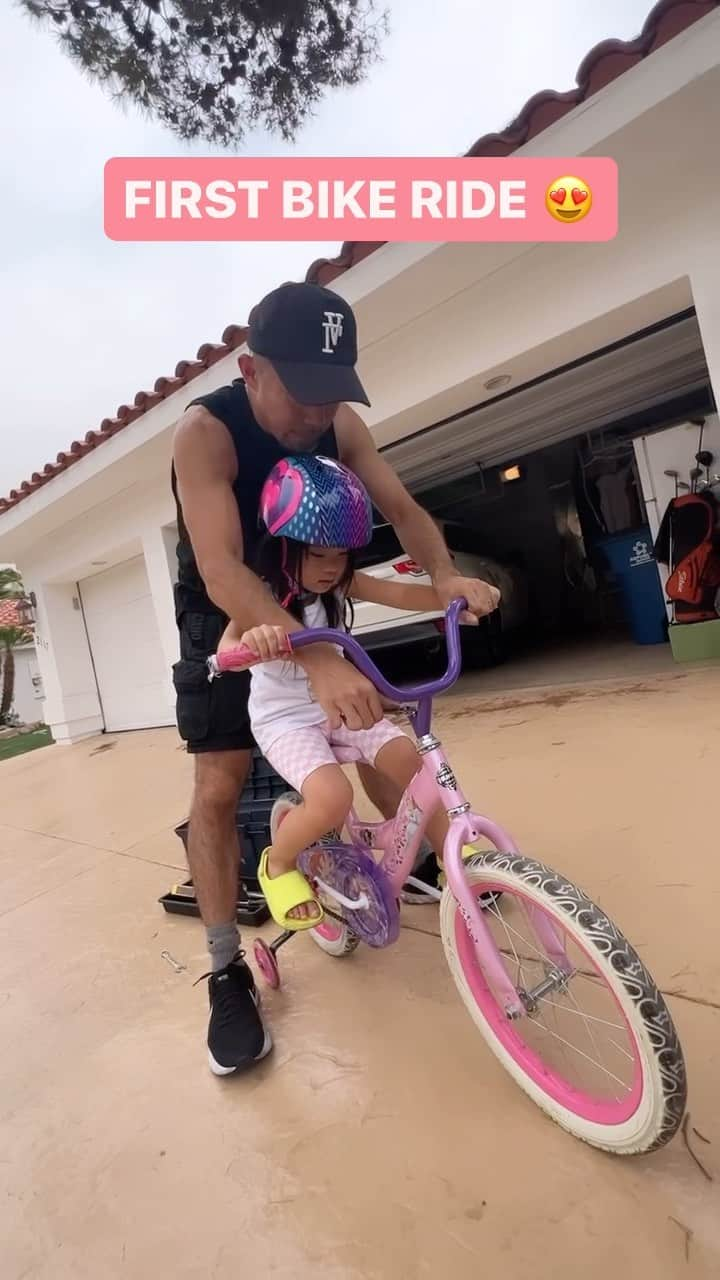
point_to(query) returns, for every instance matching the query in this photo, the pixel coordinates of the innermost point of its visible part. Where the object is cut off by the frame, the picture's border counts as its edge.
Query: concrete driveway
(381, 1140)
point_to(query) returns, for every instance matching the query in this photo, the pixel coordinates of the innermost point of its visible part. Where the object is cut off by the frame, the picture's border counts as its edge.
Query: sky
(86, 322)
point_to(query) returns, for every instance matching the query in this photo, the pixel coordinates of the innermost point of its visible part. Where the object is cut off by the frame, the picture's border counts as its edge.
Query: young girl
(317, 513)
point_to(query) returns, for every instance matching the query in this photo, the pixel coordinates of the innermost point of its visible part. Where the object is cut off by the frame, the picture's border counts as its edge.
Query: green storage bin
(695, 641)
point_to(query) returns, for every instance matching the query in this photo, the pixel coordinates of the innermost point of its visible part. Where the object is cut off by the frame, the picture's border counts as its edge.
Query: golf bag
(688, 542)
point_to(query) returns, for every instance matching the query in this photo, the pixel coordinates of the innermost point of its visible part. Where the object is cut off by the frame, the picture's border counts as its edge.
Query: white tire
(663, 1093)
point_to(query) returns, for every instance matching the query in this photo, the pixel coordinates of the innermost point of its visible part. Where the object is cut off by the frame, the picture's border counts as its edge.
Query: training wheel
(266, 963)
(353, 873)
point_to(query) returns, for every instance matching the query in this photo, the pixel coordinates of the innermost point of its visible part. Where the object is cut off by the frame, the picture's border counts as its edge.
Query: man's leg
(214, 848)
(236, 1035)
(213, 720)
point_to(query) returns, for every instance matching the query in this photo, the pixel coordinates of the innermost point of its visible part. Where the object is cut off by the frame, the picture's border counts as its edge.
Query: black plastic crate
(254, 837)
(256, 812)
(254, 834)
(260, 768)
(253, 827)
(263, 783)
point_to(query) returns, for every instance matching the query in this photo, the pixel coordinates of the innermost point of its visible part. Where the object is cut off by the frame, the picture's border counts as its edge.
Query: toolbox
(251, 908)
(253, 827)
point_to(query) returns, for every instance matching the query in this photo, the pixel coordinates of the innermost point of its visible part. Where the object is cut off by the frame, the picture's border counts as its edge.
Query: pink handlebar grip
(238, 659)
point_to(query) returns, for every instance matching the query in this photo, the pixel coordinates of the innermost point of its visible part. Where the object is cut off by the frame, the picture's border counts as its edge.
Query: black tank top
(257, 452)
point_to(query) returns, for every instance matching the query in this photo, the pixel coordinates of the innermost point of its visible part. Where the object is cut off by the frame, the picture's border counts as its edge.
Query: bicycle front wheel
(596, 1047)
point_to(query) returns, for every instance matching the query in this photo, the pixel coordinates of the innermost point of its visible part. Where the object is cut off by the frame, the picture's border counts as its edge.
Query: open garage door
(125, 645)
(653, 368)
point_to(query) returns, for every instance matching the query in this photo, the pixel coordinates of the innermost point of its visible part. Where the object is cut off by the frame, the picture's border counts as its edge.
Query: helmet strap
(292, 585)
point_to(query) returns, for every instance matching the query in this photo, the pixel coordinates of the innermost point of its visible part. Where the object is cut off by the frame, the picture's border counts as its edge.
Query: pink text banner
(563, 199)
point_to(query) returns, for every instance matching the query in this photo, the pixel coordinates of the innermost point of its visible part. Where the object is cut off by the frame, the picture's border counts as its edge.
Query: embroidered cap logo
(333, 329)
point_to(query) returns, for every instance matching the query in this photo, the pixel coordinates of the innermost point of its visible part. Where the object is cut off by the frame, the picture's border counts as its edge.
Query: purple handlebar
(365, 664)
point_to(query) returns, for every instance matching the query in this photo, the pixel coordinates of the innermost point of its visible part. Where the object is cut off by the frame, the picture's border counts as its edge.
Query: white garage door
(125, 644)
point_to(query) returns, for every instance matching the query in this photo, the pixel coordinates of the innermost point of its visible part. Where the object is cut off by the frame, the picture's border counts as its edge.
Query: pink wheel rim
(585, 1105)
(267, 964)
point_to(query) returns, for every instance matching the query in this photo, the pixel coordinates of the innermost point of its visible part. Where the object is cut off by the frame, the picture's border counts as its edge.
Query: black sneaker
(429, 873)
(236, 1034)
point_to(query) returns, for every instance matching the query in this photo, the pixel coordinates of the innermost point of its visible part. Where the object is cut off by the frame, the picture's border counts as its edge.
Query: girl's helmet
(317, 501)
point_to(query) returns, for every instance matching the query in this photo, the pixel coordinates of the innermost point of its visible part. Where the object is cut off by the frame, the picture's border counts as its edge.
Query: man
(291, 398)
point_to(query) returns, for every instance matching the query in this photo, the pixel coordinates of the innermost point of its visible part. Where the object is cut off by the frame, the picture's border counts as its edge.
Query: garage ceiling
(626, 379)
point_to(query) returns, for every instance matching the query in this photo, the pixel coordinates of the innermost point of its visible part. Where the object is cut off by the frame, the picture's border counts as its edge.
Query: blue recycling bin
(630, 557)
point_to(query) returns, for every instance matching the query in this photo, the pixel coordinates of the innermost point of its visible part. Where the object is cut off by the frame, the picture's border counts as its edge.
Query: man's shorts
(211, 715)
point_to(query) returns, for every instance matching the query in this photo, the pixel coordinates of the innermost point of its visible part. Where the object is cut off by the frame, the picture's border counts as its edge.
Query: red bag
(692, 527)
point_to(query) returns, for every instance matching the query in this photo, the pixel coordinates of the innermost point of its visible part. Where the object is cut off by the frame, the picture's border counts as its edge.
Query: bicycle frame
(435, 784)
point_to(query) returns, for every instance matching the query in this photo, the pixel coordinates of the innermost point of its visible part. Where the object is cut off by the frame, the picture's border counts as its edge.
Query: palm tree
(11, 588)
(9, 637)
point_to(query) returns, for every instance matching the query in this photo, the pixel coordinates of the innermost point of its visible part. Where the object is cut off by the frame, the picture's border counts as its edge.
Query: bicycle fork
(466, 829)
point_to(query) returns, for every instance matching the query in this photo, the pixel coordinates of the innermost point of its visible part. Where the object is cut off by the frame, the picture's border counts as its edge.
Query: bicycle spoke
(581, 1054)
(579, 1014)
(559, 1038)
(522, 952)
(630, 1057)
(493, 911)
(585, 1019)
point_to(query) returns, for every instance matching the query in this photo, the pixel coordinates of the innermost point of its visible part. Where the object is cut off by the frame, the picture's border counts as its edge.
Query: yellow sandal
(285, 892)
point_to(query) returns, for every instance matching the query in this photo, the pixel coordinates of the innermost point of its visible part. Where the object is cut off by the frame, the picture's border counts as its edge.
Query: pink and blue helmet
(317, 501)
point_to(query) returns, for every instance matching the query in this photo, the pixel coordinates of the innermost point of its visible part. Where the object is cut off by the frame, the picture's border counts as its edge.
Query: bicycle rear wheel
(596, 1049)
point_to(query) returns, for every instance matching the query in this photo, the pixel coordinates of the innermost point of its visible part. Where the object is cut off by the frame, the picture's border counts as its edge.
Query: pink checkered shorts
(301, 751)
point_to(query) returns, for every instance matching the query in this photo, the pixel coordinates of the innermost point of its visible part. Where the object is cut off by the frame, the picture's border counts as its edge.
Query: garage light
(510, 473)
(500, 380)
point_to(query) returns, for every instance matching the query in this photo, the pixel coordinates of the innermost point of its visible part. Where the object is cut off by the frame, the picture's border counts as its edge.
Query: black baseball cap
(309, 335)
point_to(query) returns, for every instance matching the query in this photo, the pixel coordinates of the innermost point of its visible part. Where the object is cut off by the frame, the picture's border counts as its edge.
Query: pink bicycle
(560, 996)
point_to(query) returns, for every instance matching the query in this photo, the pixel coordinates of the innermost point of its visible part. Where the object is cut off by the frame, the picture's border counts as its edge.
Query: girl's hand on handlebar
(269, 643)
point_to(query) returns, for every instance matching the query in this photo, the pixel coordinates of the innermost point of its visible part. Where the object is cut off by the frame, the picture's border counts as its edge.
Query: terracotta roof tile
(603, 64)
(10, 617)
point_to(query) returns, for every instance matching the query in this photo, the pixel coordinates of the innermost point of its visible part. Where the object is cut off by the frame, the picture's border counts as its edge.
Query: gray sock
(223, 943)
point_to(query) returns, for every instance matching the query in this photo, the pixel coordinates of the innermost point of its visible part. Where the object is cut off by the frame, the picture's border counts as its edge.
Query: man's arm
(205, 470)
(416, 530)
